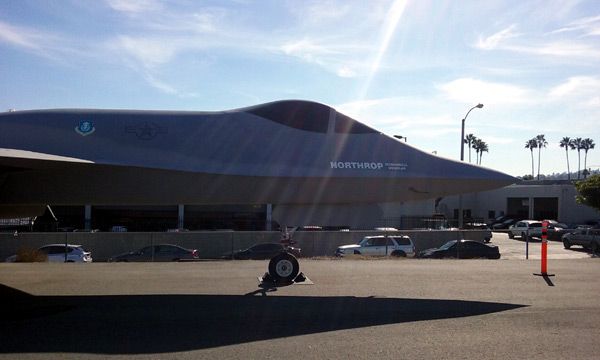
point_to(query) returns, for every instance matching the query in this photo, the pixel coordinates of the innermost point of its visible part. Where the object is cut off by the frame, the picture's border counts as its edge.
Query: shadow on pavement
(147, 324)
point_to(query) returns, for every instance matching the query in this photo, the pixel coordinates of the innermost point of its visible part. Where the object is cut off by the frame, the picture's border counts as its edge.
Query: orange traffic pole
(544, 270)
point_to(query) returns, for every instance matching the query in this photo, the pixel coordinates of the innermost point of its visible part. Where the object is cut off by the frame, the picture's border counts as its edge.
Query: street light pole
(462, 158)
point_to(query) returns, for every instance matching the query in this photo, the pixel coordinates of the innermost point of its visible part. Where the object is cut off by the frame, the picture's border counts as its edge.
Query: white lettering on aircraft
(367, 165)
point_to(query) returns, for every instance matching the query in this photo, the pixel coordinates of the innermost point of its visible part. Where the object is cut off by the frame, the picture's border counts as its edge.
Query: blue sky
(410, 68)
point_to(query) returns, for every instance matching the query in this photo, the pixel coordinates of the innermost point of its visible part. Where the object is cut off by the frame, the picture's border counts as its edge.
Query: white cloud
(588, 26)
(319, 11)
(165, 87)
(45, 44)
(593, 102)
(135, 6)
(472, 91)
(582, 90)
(346, 72)
(306, 49)
(495, 40)
(20, 36)
(150, 52)
(557, 46)
(562, 49)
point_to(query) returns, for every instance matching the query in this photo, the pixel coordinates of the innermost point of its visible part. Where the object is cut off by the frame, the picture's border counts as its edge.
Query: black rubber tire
(356, 252)
(566, 244)
(284, 268)
(510, 235)
(594, 247)
(398, 253)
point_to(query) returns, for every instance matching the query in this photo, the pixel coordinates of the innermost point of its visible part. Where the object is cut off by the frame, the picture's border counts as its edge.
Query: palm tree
(541, 143)
(588, 144)
(483, 147)
(531, 144)
(470, 139)
(567, 143)
(578, 144)
(475, 146)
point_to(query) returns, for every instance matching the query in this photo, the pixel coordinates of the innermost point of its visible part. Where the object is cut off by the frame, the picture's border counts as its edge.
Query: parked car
(526, 228)
(556, 230)
(381, 245)
(467, 249)
(162, 252)
(586, 237)
(475, 225)
(56, 253)
(498, 220)
(262, 252)
(504, 224)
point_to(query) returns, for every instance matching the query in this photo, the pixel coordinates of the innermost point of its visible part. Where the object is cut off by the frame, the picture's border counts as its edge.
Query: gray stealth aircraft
(284, 152)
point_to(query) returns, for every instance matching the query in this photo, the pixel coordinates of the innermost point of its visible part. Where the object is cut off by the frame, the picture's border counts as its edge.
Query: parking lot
(516, 249)
(400, 308)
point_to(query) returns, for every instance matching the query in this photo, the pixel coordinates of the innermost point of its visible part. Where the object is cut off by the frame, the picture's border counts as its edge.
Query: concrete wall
(213, 244)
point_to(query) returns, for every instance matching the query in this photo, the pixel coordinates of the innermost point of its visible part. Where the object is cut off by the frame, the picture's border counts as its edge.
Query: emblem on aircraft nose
(85, 128)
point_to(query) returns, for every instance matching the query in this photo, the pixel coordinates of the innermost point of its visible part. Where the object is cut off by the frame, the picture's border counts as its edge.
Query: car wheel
(594, 247)
(398, 253)
(284, 267)
(566, 244)
(510, 235)
(356, 252)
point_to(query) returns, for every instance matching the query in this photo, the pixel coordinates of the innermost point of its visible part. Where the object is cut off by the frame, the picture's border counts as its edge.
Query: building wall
(569, 211)
(355, 216)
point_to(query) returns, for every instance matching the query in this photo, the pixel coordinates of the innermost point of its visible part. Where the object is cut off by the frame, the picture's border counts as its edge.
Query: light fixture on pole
(400, 137)
(462, 158)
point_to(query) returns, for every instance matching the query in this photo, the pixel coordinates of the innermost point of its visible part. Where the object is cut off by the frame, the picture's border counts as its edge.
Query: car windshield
(365, 242)
(448, 245)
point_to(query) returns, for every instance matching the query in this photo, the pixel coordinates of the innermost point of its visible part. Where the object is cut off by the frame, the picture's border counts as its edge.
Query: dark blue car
(466, 249)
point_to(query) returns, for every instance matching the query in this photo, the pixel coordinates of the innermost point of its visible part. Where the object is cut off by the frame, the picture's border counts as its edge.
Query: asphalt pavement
(393, 308)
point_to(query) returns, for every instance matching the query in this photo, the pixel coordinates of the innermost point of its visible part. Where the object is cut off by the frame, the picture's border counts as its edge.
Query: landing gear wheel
(284, 268)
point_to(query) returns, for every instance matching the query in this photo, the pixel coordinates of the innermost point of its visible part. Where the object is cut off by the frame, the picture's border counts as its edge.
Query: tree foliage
(589, 191)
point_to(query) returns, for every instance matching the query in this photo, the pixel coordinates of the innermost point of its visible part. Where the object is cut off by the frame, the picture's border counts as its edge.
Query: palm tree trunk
(532, 165)
(469, 143)
(568, 169)
(539, 160)
(585, 160)
(578, 163)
